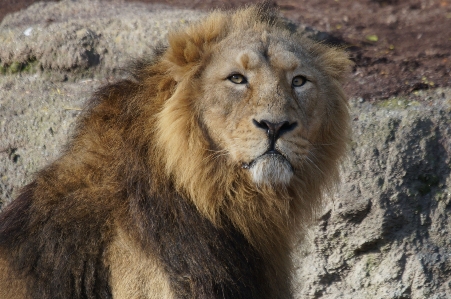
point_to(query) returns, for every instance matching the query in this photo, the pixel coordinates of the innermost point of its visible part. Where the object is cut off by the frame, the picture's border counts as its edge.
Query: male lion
(190, 179)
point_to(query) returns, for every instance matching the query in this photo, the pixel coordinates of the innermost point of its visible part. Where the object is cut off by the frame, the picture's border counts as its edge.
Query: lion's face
(262, 105)
(249, 110)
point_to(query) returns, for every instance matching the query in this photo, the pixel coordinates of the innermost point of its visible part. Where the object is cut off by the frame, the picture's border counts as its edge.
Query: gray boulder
(386, 231)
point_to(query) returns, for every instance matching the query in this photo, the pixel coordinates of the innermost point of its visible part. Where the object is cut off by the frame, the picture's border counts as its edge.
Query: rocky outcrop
(69, 40)
(384, 233)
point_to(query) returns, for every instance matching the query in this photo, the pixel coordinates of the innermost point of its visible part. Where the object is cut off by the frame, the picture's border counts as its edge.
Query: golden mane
(215, 186)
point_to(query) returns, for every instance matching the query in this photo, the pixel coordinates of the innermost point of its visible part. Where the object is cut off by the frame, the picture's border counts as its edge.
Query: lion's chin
(271, 169)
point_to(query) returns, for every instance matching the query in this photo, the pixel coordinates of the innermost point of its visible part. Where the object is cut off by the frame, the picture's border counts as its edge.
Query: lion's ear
(189, 45)
(182, 50)
(336, 63)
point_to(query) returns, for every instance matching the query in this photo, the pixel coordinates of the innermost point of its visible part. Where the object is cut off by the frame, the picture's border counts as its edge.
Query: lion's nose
(274, 130)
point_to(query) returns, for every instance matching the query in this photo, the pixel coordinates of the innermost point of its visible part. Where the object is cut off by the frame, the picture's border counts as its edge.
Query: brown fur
(163, 192)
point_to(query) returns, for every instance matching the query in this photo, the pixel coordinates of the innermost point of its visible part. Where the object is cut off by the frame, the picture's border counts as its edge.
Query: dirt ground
(399, 46)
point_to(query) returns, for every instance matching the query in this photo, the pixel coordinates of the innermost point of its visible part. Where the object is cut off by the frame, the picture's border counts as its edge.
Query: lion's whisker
(310, 162)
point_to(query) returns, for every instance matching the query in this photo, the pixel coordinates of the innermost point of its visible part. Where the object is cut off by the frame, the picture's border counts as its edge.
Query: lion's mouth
(271, 153)
(272, 168)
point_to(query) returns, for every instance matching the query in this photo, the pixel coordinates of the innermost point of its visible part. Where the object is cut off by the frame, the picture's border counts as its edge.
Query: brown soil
(399, 46)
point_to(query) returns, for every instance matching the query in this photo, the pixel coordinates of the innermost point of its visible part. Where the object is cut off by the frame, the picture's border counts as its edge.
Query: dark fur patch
(58, 261)
(203, 261)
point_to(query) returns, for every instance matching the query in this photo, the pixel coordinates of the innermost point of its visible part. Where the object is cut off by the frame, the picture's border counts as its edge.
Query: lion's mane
(139, 162)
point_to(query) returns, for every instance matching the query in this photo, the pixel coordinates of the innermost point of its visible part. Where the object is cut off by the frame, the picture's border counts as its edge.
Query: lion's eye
(298, 81)
(237, 79)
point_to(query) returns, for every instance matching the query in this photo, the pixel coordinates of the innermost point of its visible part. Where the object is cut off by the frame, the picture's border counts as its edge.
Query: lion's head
(253, 109)
(266, 103)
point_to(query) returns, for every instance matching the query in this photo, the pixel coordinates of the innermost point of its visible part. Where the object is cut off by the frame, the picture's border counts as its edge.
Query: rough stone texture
(385, 233)
(76, 39)
(36, 116)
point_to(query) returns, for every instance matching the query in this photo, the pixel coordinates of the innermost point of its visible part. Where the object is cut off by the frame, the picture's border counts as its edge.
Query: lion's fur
(150, 198)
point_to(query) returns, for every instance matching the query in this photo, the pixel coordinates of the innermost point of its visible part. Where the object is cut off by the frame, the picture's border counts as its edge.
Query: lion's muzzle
(272, 167)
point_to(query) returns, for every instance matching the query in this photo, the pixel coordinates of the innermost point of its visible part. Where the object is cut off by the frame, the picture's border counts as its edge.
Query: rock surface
(70, 40)
(385, 233)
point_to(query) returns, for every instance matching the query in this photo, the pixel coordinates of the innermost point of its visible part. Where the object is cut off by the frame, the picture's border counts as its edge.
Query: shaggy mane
(216, 187)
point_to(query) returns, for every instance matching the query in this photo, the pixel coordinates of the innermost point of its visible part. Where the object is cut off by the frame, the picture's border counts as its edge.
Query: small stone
(28, 31)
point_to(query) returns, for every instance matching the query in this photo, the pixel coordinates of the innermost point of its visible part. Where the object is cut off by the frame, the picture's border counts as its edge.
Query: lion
(191, 178)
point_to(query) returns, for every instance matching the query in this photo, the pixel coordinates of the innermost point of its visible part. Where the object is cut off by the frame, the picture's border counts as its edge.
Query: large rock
(386, 232)
(79, 39)
(383, 234)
